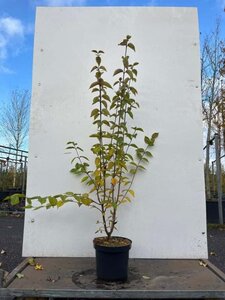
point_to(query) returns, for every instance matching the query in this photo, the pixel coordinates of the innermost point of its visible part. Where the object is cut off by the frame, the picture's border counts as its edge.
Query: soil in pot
(112, 258)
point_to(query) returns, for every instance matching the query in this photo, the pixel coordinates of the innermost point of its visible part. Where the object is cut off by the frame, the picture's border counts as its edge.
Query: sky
(17, 23)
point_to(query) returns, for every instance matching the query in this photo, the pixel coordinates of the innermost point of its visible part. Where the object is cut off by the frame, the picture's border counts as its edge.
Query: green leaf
(106, 97)
(93, 84)
(94, 68)
(106, 123)
(52, 201)
(125, 62)
(15, 198)
(60, 203)
(98, 75)
(28, 206)
(98, 60)
(38, 207)
(130, 156)
(117, 71)
(141, 167)
(134, 146)
(147, 140)
(84, 178)
(94, 112)
(42, 200)
(105, 83)
(130, 73)
(95, 100)
(138, 129)
(94, 135)
(135, 72)
(29, 201)
(114, 205)
(155, 135)
(115, 83)
(131, 46)
(123, 43)
(130, 114)
(70, 194)
(148, 153)
(84, 157)
(102, 68)
(105, 112)
(133, 90)
(86, 201)
(133, 171)
(71, 143)
(104, 103)
(79, 148)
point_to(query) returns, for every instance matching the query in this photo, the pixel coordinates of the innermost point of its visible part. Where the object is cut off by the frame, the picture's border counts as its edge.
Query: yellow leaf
(19, 275)
(114, 181)
(86, 201)
(127, 199)
(38, 267)
(60, 203)
(31, 261)
(131, 192)
(202, 263)
(110, 165)
(97, 161)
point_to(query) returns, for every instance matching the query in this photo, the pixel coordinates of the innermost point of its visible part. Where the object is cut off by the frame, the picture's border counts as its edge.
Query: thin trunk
(207, 168)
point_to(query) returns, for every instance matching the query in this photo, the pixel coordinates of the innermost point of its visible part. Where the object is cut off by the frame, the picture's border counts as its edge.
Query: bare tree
(221, 98)
(210, 77)
(14, 118)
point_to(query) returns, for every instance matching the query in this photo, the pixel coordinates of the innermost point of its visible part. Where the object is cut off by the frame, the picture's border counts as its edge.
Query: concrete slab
(75, 278)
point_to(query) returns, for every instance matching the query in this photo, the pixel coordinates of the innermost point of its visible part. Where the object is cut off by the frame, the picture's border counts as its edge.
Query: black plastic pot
(112, 262)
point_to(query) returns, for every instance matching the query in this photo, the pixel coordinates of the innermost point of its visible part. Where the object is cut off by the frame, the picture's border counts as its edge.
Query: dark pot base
(112, 262)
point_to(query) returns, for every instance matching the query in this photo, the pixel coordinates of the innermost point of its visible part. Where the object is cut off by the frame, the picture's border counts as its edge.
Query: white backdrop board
(167, 219)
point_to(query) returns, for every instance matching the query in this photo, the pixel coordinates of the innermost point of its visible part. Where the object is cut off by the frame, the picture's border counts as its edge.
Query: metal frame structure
(16, 159)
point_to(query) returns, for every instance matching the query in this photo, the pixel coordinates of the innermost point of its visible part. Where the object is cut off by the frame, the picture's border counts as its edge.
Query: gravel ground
(11, 234)
(216, 245)
(11, 237)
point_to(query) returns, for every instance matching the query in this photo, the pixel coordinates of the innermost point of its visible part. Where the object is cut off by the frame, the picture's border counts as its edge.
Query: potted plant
(117, 159)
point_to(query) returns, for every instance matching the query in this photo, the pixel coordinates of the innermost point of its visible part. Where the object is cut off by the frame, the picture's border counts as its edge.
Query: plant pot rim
(100, 246)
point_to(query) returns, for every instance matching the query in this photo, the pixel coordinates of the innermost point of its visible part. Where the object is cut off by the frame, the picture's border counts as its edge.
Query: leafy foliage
(116, 156)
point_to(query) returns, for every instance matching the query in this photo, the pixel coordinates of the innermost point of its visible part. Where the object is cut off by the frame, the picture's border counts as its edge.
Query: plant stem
(121, 117)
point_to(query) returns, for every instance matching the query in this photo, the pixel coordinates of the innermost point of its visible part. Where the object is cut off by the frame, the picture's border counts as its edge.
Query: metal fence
(13, 169)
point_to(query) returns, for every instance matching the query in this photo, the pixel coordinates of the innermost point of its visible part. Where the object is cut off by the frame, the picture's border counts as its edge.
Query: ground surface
(216, 245)
(11, 234)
